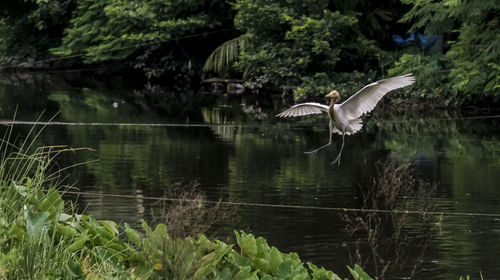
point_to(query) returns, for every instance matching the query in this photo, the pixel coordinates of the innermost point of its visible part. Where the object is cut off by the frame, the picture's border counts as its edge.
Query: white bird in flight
(345, 118)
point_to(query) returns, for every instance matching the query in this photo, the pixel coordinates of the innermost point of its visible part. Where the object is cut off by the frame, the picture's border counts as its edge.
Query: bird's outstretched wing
(303, 109)
(367, 98)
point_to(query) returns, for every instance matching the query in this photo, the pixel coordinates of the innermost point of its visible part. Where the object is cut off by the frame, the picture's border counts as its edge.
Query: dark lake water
(236, 151)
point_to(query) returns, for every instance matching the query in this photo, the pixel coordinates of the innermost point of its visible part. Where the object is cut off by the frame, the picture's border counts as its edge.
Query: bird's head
(333, 95)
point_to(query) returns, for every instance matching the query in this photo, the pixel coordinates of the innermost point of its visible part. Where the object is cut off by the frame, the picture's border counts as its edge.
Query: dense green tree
(28, 28)
(470, 68)
(302, 45)
(143, 32)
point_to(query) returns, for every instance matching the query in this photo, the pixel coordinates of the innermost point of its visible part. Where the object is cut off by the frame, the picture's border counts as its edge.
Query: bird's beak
(334, 95)
(331, 94)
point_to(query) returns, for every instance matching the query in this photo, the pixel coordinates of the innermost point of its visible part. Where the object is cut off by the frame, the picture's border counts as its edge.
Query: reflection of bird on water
(345, 118)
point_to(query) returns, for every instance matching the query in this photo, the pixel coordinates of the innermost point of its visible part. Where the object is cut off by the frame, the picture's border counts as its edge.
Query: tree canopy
(144, 33)
(29, 28)
(301, 47)
(470, 67)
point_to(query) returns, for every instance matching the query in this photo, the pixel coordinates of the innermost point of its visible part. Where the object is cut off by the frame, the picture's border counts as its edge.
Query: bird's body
(345, 118)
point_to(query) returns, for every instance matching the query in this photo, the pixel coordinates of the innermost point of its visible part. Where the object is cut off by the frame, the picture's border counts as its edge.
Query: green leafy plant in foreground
(41, 240)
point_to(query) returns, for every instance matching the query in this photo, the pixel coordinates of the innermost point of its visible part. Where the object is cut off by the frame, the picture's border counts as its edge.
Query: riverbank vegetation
(304, 48)
(388, 198)
(43, 237)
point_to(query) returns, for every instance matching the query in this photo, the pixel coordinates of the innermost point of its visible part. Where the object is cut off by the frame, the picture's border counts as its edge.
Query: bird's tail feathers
(354, 126)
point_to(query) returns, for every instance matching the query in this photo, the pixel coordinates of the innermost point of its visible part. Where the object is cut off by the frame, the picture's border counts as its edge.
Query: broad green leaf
(321, 273)
(238, 260)
(66, 230)
(262, 247)
(108, 256)
(262, 264)
(93, 226)
(110, 226)
(205, 243)
(291, 269)
(224, 55)
(78, 243)
(52, 202)
(246, 274)
(224, 274)
(247, 244)
(37, 223)
(208, 259)
(203, 271)
(63, 217)
(146, 228)
(284, 269)
(159, 235)
(294, 257)
(74, 268)
(275, 259)
(358, 273)
(142, 271)
(113, 244)
(161, 230)
(303, 275)
(133, 235)
(17, 232)
(21, 190)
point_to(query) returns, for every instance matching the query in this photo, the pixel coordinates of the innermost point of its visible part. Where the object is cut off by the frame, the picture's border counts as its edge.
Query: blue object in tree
(400, 42)
(425, 42)
(428, 42)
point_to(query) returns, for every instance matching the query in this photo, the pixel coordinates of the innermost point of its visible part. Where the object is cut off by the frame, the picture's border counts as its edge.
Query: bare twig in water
(386, 235)
(189, 215)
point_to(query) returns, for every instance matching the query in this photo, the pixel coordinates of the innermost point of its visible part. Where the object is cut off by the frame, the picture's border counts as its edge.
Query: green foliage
(29, 28)
(30, 242)
(300, 45)
(257, 260)
(224, 55)
(429, 75)
(475, 56)
(442, 16)
(37, 224)
(143, 31)
(471, 68)
(468, 277)
(358, 273)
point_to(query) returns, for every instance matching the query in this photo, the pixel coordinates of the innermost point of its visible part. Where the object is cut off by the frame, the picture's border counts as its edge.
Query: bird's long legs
(337, 159)
(328, 144)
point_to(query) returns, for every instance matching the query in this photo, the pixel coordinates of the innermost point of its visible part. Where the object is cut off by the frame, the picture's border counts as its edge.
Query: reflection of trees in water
(262, 160)
(175, 102)
(453, 144)
(388, 240)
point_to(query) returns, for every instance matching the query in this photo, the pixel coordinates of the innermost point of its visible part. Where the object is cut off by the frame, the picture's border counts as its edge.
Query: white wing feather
(303, 109)
(367, 98)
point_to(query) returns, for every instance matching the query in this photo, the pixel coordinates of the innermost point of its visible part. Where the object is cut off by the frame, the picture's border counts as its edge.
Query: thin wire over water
(13, 122)
(338, 209)
(8, 122)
